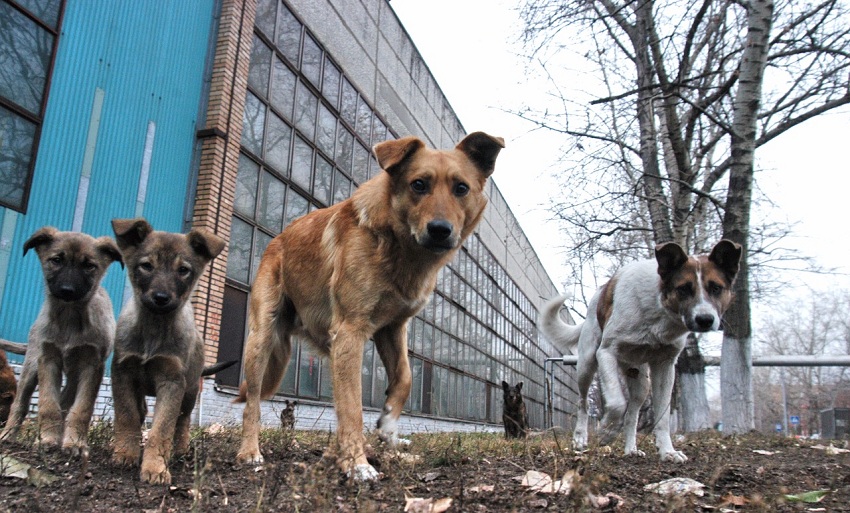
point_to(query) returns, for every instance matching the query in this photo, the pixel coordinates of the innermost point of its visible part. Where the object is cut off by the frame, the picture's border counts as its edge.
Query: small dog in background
(72, 335)
(8, 388)
(287, 415)
(514, 415)
(158, 349)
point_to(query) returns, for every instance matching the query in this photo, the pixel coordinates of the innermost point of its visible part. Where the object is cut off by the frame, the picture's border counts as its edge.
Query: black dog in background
(514, 415)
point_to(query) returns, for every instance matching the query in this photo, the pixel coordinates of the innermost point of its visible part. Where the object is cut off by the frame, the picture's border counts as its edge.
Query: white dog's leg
(663, 374)
(637, 381)
(615, 400)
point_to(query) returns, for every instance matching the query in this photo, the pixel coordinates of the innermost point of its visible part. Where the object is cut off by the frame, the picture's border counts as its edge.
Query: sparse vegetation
(475, 470)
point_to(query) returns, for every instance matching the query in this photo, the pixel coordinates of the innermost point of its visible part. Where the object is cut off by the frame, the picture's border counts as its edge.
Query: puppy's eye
(461, 189)
(56, 260)
(146, 266)
(715, 289)
(419, 186)
(184, 271)
(90, 267)
(686, 290)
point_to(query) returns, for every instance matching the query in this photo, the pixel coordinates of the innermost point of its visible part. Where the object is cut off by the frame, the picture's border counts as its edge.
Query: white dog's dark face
(698, 289)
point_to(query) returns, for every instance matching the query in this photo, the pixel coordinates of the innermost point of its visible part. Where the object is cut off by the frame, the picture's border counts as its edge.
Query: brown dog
(72, 334)
(359, 269)
(514, 416)
(8, 388)
(158, 349)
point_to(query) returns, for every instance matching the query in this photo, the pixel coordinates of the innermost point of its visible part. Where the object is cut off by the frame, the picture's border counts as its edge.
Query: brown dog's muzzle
(439, 237)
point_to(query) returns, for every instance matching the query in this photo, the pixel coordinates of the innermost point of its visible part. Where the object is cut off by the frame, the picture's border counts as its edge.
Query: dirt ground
(476, 471)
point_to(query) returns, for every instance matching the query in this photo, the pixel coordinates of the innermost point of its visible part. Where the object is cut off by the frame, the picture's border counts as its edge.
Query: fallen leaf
(734, 500)
(765, 453)
(808, 497)
(429, 505)
(542, 482)
(677, 486)
(482, 488)
(606, 501)
(11, 467)
(538, 503)
(830, 449)
(430, 476)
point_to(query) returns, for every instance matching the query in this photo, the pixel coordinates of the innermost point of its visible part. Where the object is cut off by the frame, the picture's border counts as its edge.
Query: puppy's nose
(66, 292)
(704, 321)
(439, 230)
(161, 298)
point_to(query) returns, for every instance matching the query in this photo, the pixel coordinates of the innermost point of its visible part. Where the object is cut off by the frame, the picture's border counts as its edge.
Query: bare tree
(663, 146)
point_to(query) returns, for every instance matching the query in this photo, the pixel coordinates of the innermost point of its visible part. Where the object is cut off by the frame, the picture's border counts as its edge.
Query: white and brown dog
(635, 330)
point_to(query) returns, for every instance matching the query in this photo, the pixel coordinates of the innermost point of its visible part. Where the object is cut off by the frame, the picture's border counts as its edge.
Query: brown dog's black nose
(161, 298)
(439, 230)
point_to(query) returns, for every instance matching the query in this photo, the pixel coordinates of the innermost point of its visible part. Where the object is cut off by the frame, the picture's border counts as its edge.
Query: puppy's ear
(482, 149)
(505, 386)
(727, 256)
(130, 232)
(519, 387)
(206, 244)
(40, 238)
(393, 155)
(670, 257)
(107, 247)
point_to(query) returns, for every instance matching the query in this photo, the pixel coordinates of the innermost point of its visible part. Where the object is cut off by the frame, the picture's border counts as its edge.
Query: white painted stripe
(88, 160)
(144, 173)
(7, 235)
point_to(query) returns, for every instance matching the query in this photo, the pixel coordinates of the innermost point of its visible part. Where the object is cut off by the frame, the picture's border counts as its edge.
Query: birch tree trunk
(736, 392)
(693, 402)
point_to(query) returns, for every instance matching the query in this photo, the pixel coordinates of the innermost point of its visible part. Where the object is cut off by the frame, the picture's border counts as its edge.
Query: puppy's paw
(249, 458)
(76, 448)
(674, 456)
(125, 458)
(156, 474)
(636, 452)
(8, 434)
(364, 473)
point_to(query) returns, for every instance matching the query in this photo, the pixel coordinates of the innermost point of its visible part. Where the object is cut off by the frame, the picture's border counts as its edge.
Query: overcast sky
(470, 47)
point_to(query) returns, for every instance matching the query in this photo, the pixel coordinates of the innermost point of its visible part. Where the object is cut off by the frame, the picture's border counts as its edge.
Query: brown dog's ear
(108, 248)
(670, 257)
(41, 237)
(206, 244)
(482, 150)
(727, 256)
(130, 232)
(392, 155)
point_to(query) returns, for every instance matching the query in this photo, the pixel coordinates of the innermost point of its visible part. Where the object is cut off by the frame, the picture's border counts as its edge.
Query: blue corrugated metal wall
(147, 58)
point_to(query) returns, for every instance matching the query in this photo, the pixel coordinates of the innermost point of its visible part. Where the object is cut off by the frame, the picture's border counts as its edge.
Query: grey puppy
(158, 348)
(72, 335)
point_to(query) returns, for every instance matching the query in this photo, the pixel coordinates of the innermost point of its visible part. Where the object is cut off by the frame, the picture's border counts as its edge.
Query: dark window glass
(270, 211)
(17, 136)
(278, 137)
(322, 180)
(232, 334)
(344, 146)
(308, 373)
(265, 17)
(302, 163)
(326, 134)
(245, 200)
(296, 206)
(366, 372)
(261, 242)
(288, 34)
(288, 385)
(261, 62)
(46, 10)
(311, 61)
(305, 111)
(252, 127)
(330, 83)
(239, 256)
(25, 51)
(349, 103)
(342, 187)
(364, 119)
(283, 89)
(360, 168)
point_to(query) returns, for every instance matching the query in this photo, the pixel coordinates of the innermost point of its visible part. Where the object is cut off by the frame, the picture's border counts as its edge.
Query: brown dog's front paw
(76, 448)
(155, 473)
(125, 458)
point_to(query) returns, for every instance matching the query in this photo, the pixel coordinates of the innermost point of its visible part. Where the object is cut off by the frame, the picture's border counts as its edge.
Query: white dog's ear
(727, 256)
(670, 257)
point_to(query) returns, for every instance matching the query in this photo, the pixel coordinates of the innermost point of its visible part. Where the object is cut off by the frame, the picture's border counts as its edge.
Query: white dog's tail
(554, 328)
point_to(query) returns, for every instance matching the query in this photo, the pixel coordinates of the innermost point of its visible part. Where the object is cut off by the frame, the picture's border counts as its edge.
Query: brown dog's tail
(273, 372)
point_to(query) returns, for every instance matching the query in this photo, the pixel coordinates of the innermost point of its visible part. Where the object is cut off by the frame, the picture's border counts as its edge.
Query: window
(28, 38)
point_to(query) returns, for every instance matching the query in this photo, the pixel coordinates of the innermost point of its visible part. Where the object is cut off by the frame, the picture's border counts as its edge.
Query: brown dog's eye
(419, 186)
(686, 290)
(146, 266)
(715, 289)
(184, 271)
(55, 260)
(461, 189)
(91, 267)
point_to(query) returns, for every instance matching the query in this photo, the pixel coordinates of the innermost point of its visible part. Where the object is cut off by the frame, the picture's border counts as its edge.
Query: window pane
(239, 256)
(302, 163)
(264, 20)
(270, 213)
(326, 392)
(17, 136)
(344, 145)
(326, 135)
(349, 102)
(322, 181)
(296, 206)
(46, 10)
(261, 242)
(360, 169)
(252, 128)
(308, 373)
(288, 385)
(379, 131)
(288, 34)
(364, 119)
(283, 89)
(25, 56)
(261, 61)
(330, 83)
(305, 111)
(342, 187)
(380, 388)
(366, 373)
(311, 61)
(245, 200)
(414, 402)
(277, 144)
